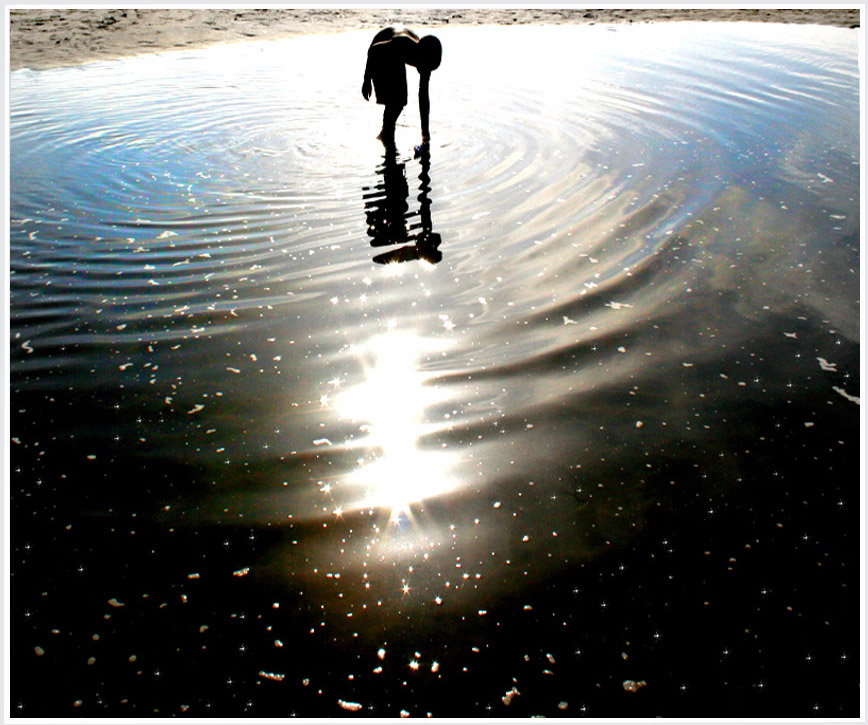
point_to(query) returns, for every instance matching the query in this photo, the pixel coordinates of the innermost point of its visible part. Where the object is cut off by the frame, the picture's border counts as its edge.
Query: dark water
(560, 418)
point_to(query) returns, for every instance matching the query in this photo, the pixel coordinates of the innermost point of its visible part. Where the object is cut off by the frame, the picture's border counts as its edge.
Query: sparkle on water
(466, 406)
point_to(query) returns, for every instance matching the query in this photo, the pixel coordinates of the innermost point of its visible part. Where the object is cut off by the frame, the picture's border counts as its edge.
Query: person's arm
(366, 85)
(424, 104)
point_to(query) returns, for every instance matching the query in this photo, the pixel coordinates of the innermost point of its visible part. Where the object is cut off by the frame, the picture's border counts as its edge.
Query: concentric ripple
(612, 234)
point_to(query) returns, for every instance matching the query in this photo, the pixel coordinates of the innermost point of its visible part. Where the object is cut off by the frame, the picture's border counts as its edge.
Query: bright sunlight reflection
(389, 407)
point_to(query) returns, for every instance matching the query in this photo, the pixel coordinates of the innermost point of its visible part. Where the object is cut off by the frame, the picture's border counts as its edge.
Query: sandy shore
(48, 38)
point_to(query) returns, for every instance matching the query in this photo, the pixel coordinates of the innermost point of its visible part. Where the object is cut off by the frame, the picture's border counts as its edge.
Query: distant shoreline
(50, 38)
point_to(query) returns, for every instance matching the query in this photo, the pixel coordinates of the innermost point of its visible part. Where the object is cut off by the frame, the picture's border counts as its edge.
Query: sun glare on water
(389, 406)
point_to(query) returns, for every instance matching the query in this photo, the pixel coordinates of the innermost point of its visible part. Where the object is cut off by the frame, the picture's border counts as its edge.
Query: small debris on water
(827, 366)
(508, 697)
(851, 398)
(633, 685)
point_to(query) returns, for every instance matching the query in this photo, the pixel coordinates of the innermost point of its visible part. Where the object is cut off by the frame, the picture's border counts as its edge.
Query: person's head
(430, 53)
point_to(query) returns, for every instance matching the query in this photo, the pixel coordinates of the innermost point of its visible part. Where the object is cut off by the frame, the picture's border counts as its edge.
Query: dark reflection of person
(388, 213)
(391, 50)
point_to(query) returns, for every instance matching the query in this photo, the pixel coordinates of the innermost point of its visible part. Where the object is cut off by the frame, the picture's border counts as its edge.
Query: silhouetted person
(391, 50)
(388, 215)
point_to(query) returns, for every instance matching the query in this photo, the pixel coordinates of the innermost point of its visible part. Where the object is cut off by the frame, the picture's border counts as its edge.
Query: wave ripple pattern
(617, 296)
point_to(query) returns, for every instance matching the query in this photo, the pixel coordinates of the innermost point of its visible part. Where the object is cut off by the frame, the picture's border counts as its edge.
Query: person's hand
(366, 89)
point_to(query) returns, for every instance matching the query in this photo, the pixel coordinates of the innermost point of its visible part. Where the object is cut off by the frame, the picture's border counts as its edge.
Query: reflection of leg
(390, 118)
(428, 245)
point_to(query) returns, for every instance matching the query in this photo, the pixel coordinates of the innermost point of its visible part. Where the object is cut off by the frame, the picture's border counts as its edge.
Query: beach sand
(49, 38)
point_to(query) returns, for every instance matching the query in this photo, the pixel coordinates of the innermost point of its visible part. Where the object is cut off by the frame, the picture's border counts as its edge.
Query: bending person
(391, 50)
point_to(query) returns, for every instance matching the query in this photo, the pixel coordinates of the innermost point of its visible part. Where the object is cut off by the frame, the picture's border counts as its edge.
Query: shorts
(388, 74)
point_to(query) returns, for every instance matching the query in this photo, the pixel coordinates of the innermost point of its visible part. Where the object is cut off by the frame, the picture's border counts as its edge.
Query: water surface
(569, 401)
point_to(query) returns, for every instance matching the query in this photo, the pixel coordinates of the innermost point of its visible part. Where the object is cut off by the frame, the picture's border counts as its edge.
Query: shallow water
(526, 398)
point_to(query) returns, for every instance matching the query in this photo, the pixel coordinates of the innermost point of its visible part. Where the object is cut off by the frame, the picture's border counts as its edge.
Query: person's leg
(390, 118)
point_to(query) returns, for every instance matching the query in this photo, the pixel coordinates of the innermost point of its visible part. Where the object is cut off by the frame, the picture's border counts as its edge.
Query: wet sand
(49, 38)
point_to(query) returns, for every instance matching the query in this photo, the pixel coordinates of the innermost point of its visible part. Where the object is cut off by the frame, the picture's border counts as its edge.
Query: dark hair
(431, 52)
